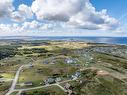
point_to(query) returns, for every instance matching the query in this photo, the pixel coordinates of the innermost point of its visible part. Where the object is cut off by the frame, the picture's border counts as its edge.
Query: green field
(100, 72)
(53, 90)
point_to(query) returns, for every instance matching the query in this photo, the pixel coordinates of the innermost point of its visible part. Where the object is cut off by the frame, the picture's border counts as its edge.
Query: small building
(58, 79)
(67, 86)
(73, 77)
(31, 65)
(70, 60)
(77, 74)
(69, 92)
(68, 89)
(45, 62)
(28, 83)
(50, 81)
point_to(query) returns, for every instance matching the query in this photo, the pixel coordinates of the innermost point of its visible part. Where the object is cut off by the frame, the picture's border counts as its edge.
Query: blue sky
(63, 18)
(116, 8)
(18, 2)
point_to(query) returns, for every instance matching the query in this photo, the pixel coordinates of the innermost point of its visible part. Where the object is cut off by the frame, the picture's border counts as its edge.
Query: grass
(53, 90)
(115, 61)
(100, 85)
(88, 84)
(14, 93)
(59, 45)
(9, 66)
(8, 75)
(41, 72)
(4, 87)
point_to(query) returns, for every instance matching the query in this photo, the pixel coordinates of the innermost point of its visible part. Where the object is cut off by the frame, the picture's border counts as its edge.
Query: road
(55, 84)
(14, 81)
(62, 88)
(27, 89)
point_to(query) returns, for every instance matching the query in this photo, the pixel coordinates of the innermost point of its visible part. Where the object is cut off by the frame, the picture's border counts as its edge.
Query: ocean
(109, 40)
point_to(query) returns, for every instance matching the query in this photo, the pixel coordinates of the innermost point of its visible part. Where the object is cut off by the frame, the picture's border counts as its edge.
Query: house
(70, 60)
(58, 79)
(28, 83)
(68, 89)
(67, 86)
(73, 77)
(76, 75)
(45, 62)
(49, 81)
(69, 92)
(31, 65)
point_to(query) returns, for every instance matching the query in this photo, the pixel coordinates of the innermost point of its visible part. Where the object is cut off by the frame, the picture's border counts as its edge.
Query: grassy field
(14, 93)
(4, 86)
(98, 85)
(40, 72)
(107, 75)
(53, 90)
(58, 45)
(115, 61)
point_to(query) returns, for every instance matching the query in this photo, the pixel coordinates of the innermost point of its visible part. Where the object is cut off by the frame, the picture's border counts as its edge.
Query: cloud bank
(44, 15)
(6, 8)
(76, 13)
(24, 12)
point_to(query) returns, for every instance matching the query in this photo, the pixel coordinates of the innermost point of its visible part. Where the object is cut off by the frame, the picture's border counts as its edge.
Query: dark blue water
(110, 40)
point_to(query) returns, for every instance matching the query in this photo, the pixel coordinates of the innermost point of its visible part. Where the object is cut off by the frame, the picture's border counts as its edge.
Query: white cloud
(31, 25)
(55, 16)
(6, 8)
(56, 9)
(46, 26)
(77, 13)
(16, 16)
(9, 29)
(93, 20)
(26, 27)
(24, 12)
(49, 29)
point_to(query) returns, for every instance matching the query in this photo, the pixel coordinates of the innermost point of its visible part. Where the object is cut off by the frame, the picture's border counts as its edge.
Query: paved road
(14, 81)
(62, 88)
(55, 84)
(27, 89)
(19, 93)
(12, 88)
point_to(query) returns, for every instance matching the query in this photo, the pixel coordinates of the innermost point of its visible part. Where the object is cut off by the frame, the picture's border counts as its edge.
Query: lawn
(40, 72)
(14, 93)
(4, 86)
(53, 90)
(115, 61)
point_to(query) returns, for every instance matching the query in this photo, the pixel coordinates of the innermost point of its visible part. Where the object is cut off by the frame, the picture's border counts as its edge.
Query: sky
(63, 18)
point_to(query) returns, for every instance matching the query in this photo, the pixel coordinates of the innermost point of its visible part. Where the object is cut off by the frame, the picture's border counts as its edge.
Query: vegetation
(14, 93)
(4, 86)
(53, 90)
(116, 61)
(88, 68)
(7, 51)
